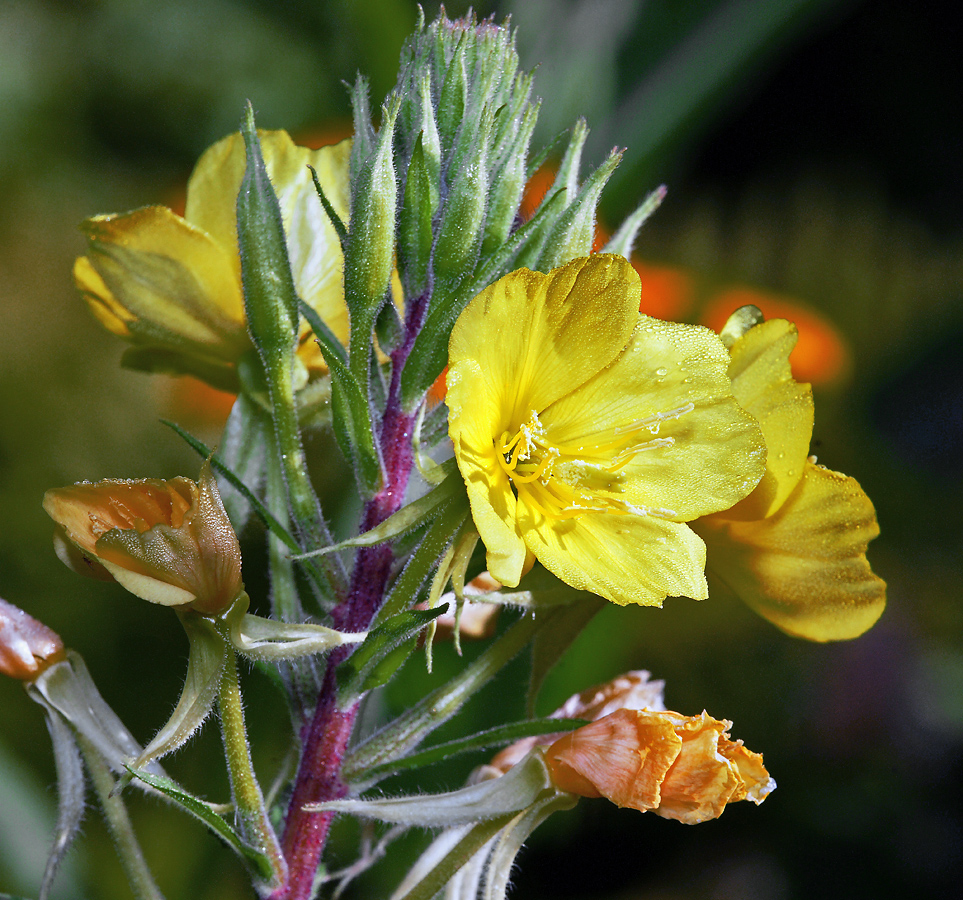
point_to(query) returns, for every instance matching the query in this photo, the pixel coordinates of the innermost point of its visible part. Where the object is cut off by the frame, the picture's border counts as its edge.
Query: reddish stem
(325, 737)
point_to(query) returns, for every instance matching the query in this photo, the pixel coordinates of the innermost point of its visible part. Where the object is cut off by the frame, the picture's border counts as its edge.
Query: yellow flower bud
(169, 542)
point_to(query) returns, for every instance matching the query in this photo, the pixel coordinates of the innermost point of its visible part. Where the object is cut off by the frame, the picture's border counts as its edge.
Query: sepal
(268, 639)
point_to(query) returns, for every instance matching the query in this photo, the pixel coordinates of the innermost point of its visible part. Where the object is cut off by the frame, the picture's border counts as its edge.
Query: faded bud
(169, 542)
(27, 647)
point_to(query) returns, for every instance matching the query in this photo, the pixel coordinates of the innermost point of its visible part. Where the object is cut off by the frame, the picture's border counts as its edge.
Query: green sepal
(164, 361)
(350, 409)
(514, 791)
(205, 664)
(258, 638)
(201, 810)
(483, 740)
(270, 298)
(409, 518)
(382, 654)
(623, 240)
(574, 231)
(453, 96)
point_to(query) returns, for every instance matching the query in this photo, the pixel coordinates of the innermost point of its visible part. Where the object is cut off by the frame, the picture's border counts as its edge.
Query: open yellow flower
(795, 549)
(169, 542)
(588, 434)
(172, 285)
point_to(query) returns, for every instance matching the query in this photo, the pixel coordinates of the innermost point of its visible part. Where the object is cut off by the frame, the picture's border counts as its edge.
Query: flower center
(563, 480)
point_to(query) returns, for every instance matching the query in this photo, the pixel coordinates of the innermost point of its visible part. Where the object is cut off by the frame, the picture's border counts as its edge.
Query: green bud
(574, 231)
(508, 183)
(415, 224)
(369, 252)
(270, 298)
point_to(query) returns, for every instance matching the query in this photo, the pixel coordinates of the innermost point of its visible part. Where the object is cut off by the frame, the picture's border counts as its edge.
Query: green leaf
(406, 520)
(202, 811)
(409, 729)
(510, 793)
(381, 654)
(483, 740)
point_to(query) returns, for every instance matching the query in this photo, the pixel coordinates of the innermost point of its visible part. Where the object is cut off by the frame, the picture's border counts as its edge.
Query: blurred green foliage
(824, 166)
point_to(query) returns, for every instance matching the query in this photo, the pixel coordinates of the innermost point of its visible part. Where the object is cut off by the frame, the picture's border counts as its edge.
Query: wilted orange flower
(169, 542)
(631, 690)
(681, 767)
(27, 646)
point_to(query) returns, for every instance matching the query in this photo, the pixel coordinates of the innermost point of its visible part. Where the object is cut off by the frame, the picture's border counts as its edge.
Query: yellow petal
(313, 247)
(493, 504)
(624, 558)
(763, 384)
(102, 304)
(805, 568)
(534, 337)
(668, 395)
(174, 284)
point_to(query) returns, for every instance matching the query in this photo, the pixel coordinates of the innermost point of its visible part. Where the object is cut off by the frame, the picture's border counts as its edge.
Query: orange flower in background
(27, 647)
(169, 542)
(820, 356)
(681, 767)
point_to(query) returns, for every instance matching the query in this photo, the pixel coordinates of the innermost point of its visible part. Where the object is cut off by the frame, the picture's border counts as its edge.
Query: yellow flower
(172, 285)
(27, 647)
(588, 434)
(169, 542)
(795, 549)
(681, 767)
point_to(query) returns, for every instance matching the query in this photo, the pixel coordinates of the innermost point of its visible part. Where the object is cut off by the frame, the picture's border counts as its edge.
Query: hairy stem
(325, 737)
(250, 810)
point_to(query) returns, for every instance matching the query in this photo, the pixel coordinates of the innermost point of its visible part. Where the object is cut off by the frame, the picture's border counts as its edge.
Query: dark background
(823, 167)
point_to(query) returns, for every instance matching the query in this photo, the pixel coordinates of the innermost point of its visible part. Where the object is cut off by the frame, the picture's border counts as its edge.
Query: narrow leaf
(375, 661)
(483, 740)
(514, 791)
(276, 528)
(202, 811)
(333, 216)
(406, 520)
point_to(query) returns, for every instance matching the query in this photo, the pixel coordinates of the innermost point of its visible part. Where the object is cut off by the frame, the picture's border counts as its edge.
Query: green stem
(249, 807)
(118, 824)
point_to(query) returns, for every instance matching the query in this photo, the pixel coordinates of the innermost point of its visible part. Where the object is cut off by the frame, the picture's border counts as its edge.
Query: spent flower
(169, 542)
